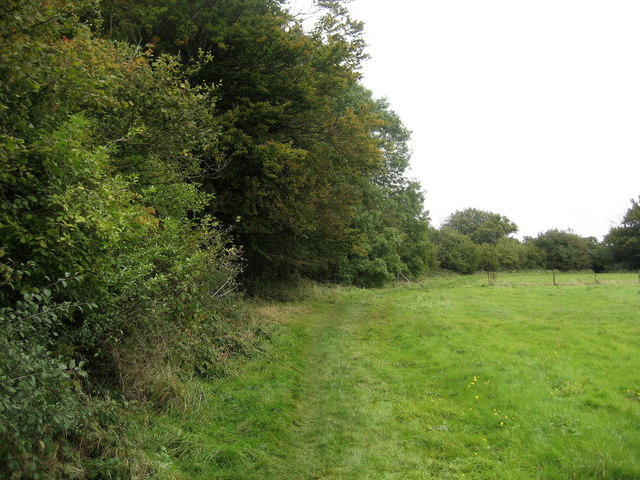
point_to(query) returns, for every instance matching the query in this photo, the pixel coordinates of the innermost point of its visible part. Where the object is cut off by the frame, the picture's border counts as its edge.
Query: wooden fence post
(554, 278)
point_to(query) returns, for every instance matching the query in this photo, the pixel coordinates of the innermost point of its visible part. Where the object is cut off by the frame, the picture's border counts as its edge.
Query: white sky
(530, 109)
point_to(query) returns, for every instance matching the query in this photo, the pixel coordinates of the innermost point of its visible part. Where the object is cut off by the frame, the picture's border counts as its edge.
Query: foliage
(44, 411)
(564, 250)
(509, 254)
(33, 379)
(390, 226)
(496, 251)
(101, 150)
(624, 239)
(314, 166)
(481, 226)
(455, 251)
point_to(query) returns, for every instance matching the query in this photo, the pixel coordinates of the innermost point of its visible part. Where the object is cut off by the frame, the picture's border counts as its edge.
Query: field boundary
(562, 279)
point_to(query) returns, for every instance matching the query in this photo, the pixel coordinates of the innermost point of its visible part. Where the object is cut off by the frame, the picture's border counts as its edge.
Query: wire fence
(558, 279)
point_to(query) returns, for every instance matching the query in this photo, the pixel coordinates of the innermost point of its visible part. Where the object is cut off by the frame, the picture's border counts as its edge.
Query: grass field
(445, 379)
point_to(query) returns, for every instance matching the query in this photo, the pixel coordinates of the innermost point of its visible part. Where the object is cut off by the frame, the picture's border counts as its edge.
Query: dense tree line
(156, 158)
(474, 240)
(314, 180)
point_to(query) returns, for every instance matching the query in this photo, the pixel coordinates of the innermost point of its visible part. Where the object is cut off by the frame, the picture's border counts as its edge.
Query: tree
(456, 251)
(564, 250)
(506, 254)
(391, 225)
(481, 226)
(294, 156)
(624, 239)
(314, 167)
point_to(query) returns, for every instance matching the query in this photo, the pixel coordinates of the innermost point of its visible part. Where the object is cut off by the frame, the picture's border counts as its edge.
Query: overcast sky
(526, 108)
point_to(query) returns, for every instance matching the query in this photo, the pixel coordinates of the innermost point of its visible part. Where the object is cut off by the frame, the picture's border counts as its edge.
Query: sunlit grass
(447, 379)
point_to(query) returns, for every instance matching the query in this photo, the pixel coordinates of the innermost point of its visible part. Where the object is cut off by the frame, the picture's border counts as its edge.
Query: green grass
(446, 379)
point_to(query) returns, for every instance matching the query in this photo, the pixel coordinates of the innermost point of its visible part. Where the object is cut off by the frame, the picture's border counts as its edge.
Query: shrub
(40, 396)
(456, 251)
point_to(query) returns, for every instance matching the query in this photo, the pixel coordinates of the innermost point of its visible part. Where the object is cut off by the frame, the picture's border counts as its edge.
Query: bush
(364, 272)
(566, 251)
(41, 402)
(456, 251)
(100, 151)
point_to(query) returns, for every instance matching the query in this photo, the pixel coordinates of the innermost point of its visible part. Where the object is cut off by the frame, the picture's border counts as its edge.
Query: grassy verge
(448, 378)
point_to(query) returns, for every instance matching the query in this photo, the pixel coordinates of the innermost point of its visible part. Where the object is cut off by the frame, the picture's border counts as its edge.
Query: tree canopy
(486, 245)
(481, 226)
(624, 239)
(306, 147)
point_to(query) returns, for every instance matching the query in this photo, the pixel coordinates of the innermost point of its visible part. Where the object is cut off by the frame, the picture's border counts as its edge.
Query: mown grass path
(445, 379)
